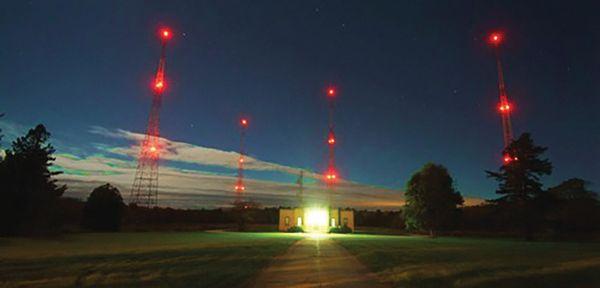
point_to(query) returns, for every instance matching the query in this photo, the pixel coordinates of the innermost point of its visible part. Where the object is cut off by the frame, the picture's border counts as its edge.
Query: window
(286, 220)
(333, 222)
(299, 221)
(345, 221)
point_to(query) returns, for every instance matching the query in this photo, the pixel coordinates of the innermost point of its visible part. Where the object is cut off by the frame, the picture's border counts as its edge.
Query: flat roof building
(315, 219)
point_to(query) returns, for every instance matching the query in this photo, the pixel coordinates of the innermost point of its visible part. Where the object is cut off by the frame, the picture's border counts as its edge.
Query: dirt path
(316, 263)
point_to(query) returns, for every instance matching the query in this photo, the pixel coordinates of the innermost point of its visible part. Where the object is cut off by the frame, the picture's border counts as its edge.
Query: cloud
(194, 189)
(198, 187)
(189, 153)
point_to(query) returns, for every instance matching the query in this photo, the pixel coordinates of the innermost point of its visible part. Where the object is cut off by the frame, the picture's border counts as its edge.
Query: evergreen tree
(519, 179)
(522, 198)
(29, 194)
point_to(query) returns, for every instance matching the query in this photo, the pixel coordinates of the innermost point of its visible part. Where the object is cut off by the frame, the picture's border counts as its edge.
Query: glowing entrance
(316, 220)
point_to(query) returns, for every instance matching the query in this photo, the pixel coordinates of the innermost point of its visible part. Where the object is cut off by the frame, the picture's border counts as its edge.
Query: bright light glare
(317, 235)
(316, 219)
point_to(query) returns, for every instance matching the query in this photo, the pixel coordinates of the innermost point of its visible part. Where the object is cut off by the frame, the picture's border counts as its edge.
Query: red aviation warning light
(331, 176)
(165, 34)
(504, 107)
(331, 92)
(244, 122)
(507, 158)
(159, 85)
(331, 138)
(496, 38)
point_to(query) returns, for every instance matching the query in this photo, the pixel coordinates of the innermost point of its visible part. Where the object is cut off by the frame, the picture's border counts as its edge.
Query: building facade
(315, 219)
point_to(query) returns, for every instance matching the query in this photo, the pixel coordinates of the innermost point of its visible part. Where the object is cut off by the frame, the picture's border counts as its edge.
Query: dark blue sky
(417, 81)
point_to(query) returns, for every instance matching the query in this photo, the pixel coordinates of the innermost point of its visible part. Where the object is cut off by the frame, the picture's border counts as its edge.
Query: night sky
(416, 81)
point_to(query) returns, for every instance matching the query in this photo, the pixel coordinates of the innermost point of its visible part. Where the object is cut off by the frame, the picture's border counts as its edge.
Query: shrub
(340, 230)
(295, 229)
(104, 208)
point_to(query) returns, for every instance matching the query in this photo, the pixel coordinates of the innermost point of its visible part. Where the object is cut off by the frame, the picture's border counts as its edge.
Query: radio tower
(504, 106)
(145, 185)
(331, 174)
(300, 192)
(239, 184)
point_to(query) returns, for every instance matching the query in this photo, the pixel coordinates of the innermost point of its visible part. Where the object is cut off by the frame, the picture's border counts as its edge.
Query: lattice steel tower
(144, 190)
(504, 106)
(239, 184)
(331, 174)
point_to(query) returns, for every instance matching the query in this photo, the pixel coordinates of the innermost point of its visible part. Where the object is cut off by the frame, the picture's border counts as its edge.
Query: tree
(29, 194)
(577, 209)
(519, 179)
(519, 183)
(431, 200)
(1, 136)
(1, 115)
(104, 209)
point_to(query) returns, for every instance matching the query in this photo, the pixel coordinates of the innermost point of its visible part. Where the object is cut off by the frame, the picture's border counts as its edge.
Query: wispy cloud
(196, 188)
(193, 189)
(199, 187)
(190, 153)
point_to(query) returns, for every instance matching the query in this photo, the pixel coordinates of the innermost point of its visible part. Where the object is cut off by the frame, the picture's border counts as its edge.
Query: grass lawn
(408, 261)
(181, 259)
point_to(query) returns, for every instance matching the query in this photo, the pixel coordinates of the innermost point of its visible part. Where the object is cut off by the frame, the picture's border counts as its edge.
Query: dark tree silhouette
(104, 209)
(519, 184)
(29, 194)
(431, 200)
(1, 115)
(576, 209)
(520, 179)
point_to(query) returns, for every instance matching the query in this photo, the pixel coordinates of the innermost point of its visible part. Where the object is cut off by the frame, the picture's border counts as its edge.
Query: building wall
(347, 218)
(290, 218)
(295, 217)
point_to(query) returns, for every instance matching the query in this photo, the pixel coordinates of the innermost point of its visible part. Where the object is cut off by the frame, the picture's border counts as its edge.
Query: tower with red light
(331, 175)
(239, 184)
(144, 191)
(505, 107)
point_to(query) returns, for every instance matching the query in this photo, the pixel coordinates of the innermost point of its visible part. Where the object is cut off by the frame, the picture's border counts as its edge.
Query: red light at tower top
(496, 38)
(331, 92)
(165, 34)
(244, 122)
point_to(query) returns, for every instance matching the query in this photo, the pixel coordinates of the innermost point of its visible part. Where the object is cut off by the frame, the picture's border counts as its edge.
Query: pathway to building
(316, 262)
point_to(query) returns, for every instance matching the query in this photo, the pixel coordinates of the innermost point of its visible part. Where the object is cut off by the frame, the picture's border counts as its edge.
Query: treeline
(29, 197)
(31, 202)
(78, 215)
(568, 210)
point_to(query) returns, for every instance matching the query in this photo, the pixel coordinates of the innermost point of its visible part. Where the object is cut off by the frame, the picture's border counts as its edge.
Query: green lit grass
(408, 261)
(196, 259)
